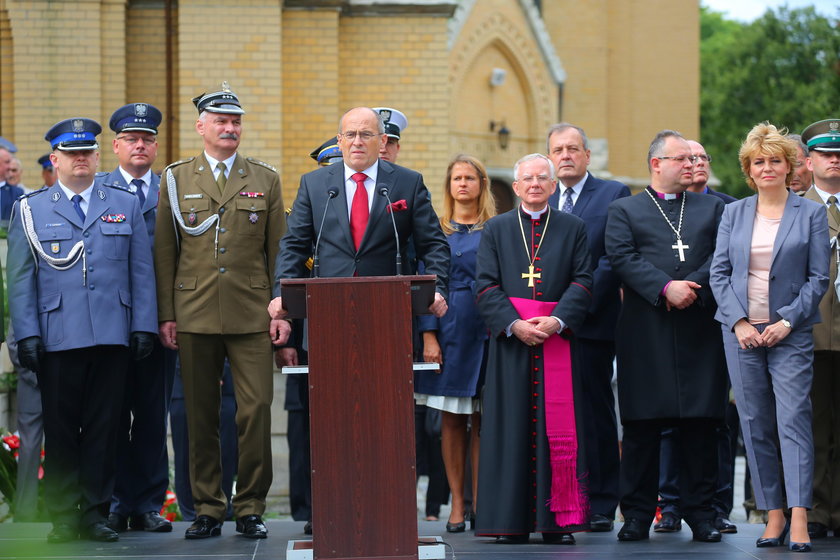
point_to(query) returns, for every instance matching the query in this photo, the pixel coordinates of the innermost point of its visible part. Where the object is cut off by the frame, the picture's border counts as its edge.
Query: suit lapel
(98, 205)
(384, 178)
(338, 207)
(152, 197)
(744, 236)
(204, 179)
(586, 194)
(791, 211)
(237, 180)
(64, 207)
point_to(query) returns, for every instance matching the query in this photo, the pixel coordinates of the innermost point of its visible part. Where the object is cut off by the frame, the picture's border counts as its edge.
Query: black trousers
(81, 394)
(697, 458)
(600, 428)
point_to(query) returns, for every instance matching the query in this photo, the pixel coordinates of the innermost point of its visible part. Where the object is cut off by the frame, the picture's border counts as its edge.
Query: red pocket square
(398, 206)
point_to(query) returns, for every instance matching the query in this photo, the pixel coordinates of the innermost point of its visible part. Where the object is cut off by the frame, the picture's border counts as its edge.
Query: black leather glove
(142, 344)
(31, 352)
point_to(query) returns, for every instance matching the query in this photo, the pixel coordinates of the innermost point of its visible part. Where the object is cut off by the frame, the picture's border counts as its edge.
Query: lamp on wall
(503, 133)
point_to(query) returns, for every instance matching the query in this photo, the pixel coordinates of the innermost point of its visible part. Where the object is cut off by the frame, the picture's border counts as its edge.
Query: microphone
(332, 192)
(383, 190)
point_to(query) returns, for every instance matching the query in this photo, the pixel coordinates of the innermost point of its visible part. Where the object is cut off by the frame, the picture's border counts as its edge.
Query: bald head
(702, 169)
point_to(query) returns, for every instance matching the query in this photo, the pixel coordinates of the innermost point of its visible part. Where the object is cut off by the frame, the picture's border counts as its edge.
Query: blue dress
(461, 332)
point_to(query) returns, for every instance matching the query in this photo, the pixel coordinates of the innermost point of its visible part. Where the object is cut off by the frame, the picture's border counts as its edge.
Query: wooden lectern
(361, 411)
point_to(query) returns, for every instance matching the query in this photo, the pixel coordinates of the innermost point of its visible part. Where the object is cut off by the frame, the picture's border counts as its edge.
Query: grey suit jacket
(338, 257)
(798, 270)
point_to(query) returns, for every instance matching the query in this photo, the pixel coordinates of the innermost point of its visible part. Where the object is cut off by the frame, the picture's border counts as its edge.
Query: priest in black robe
(671, 369)
(534, 282)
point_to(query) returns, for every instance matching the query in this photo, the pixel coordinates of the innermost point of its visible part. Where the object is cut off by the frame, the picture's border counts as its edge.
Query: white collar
(147, 178)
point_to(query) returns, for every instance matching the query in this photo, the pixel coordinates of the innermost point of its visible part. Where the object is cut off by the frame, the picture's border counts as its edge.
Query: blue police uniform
(80, 296)
(142, 468)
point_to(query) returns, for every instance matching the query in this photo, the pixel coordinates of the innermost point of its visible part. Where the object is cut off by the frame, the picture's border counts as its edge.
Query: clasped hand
(680, 294)
(535, 330)
(749, 337)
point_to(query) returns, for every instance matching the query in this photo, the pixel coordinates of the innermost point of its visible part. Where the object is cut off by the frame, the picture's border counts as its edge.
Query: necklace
(531, 275)
(679, 246)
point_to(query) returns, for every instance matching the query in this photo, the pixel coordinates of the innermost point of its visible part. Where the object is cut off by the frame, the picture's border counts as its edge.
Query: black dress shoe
(723, 525)
(456, 527)
(252, 527)
(704, 531)
(151, 521)
(600, 523)
(668, 523)
(769, 542)
(100, 532)
(307, 529)
(117, 522)
(817, 530)
(512, 539)
(633, 530)
(204, 527)
(800, 546)
(558, 538)
(62, 532)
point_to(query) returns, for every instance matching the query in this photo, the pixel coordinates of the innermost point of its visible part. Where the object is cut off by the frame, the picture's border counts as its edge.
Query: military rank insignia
(252, 194)
(253, 217)
(113, 218)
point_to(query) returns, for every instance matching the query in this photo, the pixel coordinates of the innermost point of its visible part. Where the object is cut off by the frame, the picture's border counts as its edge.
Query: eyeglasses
(132, 140)
(531, 178)
(705, 157)
(365, 135)
(680, 159)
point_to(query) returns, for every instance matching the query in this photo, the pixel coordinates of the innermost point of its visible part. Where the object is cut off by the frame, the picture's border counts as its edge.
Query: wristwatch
(786, 323)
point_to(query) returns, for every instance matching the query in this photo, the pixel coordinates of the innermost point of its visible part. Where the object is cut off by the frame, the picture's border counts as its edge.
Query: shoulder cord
(64, 263)
(172, 191)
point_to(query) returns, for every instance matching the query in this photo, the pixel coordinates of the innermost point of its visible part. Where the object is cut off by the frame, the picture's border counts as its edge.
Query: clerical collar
(534, 215)
(665, 196)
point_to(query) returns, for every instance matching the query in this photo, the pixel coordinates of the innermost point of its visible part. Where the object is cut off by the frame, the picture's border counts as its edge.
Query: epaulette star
(262, 163)
(180, 162)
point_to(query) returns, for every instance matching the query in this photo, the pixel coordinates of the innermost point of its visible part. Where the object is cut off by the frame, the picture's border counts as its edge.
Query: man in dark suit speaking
(358, 237)
(582, 194)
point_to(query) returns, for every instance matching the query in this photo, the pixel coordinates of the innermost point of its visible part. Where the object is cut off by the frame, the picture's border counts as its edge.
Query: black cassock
(514, 482)
(670, 363)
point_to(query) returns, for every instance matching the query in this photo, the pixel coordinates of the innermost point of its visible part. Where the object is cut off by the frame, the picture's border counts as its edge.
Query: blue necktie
(567, 204)
(77, 206)
(139, 184)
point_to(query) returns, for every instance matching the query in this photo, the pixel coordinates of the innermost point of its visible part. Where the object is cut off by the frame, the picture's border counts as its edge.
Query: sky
(748, 10)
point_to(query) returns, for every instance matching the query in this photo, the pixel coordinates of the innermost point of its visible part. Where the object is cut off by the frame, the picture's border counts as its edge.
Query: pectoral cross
(530, 275)
(680, 247)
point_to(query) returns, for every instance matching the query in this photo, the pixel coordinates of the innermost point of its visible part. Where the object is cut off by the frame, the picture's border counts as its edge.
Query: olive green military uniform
(216, 287)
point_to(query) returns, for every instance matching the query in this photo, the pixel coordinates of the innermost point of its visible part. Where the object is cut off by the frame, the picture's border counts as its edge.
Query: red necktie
(359, 212)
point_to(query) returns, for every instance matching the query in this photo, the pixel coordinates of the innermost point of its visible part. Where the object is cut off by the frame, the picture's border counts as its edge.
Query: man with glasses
(671, 370)
(142, 476)
(669, 472)
(218, 233)
(803, 178)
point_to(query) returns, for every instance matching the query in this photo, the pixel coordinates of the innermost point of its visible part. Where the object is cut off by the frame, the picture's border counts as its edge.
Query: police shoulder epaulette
(262, 163)
(33, 193)
(179, 162)
(118, 187)
(100, 174)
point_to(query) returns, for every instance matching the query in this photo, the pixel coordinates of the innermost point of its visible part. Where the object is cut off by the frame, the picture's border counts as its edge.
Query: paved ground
(27, 541)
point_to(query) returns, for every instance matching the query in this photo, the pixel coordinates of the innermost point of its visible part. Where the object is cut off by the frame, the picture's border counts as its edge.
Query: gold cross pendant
(530, 275)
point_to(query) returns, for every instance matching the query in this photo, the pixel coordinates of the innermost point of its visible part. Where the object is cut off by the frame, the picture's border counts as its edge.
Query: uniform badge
(140, 109)
(252, 194)
(113, 218)
(55, 247)
(56, 196)
(78, 125)
(253, 217)
(101, 194)
(191, 218)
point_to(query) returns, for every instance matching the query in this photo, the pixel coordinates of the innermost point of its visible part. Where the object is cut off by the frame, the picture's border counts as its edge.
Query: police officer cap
(395, 121)
(74, 134)
(823, 136)
(140, 117)
(45, 162)
(8, 144)
(224, 101)
(327, 153)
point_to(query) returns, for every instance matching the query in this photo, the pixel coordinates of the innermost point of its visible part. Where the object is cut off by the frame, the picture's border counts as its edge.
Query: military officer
(82, 307)
(217, 234)
(395, 122)
(142, 475)
(48, 175)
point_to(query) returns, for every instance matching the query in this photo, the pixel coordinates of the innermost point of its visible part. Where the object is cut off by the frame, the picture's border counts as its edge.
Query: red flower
(398, 206)
(12, 441)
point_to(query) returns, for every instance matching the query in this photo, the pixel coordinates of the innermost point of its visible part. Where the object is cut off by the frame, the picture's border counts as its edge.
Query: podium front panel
(362, 419)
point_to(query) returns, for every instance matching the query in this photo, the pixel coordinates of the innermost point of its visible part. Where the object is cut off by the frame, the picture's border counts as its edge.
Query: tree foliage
(784, 67)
